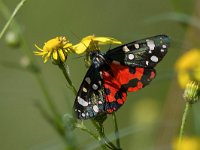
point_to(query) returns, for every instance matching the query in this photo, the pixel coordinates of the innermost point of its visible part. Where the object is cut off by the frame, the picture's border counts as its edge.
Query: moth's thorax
(98, 60)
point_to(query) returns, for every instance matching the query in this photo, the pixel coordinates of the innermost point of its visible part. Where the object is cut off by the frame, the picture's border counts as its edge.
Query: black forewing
(142, 53)
(90, 98)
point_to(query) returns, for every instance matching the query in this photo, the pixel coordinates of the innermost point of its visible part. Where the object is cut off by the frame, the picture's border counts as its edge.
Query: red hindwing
(119, 79)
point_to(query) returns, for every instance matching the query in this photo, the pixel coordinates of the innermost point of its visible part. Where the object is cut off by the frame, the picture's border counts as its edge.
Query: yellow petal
(61, 55)
(196, 73)
(39, 53)
(69, 50)
(55, 55)
(67, 45)
(183, 78)
(88, 38)
(107, 40)
(46, 58)
(38, 48)
(48, 54)
(81, 47)
(52, 44)
(189, 60)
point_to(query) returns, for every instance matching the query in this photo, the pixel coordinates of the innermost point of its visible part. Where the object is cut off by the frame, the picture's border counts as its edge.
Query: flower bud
(24, 61)
(192, 92)
(12, 39)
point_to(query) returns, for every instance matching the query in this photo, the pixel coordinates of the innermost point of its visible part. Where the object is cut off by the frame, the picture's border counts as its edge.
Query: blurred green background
(149, 120)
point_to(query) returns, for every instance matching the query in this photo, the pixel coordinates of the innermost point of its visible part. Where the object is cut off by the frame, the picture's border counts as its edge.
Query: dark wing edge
(90, 99)
(147, 52)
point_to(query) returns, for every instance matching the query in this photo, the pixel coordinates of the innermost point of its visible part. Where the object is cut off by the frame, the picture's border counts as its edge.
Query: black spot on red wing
(132, 70)
(132, 83)
(107, 91)
(146, 76)
(118, 95)
(112, 106)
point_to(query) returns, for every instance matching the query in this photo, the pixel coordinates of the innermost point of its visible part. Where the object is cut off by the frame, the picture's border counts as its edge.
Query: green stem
(16, 27)
(184, 118)
(84, 128)
(104, 140)
(11, 17)
(57, 117)
(116, 131)
(67, 77)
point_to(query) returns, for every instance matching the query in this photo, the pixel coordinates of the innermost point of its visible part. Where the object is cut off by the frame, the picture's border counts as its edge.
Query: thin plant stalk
(116, 130)
(104, 139)
(84, 128)
(96, 137)
(63, 67)
(17, 8)
(184, 118)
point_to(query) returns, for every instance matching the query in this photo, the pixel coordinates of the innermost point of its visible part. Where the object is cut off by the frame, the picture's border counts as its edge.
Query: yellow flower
(187, 143)
(90, 43)
(56, 48)
(188, 67)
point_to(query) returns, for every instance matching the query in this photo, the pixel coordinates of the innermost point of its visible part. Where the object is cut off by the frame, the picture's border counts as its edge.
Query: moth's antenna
(75, 35)
(78, 37)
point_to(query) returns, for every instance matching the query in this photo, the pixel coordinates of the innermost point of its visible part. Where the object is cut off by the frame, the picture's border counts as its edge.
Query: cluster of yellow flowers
(188, 67)
(58, 48)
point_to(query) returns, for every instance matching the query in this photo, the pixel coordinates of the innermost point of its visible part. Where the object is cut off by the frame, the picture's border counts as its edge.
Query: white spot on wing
(137, 46)
(164, 46)
(88, 80)
(151, 44)
(83, 114)
(130, 56)
(95, 87)
(147, 63)
(95, 108)
(101, 74)
(154, 58)
(162, 50)
(84, 90)
(82, 101)
(126, 49)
